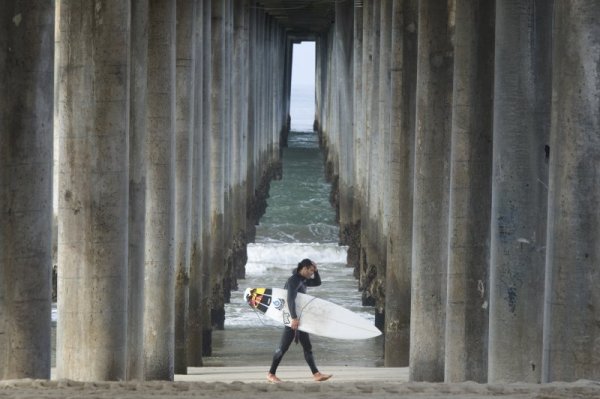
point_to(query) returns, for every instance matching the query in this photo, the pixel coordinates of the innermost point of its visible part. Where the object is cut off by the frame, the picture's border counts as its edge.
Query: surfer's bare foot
(321, 377)
(273, 378)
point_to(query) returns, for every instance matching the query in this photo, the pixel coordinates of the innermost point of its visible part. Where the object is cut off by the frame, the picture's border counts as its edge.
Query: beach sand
(248, 382)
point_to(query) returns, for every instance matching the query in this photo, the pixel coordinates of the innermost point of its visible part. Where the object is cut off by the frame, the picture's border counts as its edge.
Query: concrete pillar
(380, 159)
(228, 280)
(344, 16)
(470, 193)
(184, 153)
(383, 148)
(350, 231)
(364, 140)
(326, 97)
(370, 234)
(251, 170)
(197, 278)
(225, 278)
(519, 192)
(431, 185)
(213, 235)
(321, 79)
(266, 75)
(92, 122)
(572, 320)
(287, 95)
(239, 145)
(403, 76)
(330, 134)
(137, 189)
(159, 284)
(26, 152)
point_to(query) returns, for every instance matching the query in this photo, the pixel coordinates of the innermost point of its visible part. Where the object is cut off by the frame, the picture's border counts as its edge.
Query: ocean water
(299, 223)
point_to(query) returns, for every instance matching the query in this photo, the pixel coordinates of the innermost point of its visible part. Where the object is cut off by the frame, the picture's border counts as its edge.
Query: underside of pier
(138, 139)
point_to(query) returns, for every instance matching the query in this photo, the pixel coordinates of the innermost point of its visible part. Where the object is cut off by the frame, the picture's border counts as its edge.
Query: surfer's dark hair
(304, 263)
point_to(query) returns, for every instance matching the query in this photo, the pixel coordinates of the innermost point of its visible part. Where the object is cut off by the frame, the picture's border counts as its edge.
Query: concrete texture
(159, 267)
(402, 123)
(519, 195)
(431, 184)
(470, 194)
(26, 152)
(92, 129)
(571, 328)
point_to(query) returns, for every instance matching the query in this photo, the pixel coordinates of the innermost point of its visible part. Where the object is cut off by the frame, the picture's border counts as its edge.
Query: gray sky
(303, 64)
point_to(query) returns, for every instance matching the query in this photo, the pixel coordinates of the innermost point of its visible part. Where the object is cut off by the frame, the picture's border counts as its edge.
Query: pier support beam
(159, 279)
(137, 189)
(470, 193)
(26, 151)
(197, 277)
(431, 185)
(519, 190)
(572, 320)
(184, 153)
(403, 73)
(213, 234)
(92, 122)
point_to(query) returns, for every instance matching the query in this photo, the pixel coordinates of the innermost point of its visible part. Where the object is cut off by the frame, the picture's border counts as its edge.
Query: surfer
(305, 275)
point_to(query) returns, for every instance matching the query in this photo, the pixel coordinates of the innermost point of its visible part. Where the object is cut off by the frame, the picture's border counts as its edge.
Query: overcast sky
(303, 64)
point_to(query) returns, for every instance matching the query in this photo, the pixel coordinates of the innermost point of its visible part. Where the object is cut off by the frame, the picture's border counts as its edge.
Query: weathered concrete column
(137, 189)
(287, 95)
(383, 149)
(184, 153)
(365, 142)
(239, 144)
(225, 278)
(326, 93)
(519, 193)
(379, 159)
(159, 280)
(26, 151)
(470, 193)
(197, 278)
(370, 234)
(321, 79)
(213, 235)
(432, 178)
(571, 325)
(252, 171)
(350, 231)
(92, 122)
(344, 16)
(403, 77)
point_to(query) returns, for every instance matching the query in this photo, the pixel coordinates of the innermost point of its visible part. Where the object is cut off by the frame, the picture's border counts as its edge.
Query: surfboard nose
(247, 294)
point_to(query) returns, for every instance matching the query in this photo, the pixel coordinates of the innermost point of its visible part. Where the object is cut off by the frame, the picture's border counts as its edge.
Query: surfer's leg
(308, 355)
(286, 340)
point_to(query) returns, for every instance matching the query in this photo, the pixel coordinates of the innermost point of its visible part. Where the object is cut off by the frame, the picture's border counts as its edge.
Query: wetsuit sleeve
(292, 292)
(315, 281)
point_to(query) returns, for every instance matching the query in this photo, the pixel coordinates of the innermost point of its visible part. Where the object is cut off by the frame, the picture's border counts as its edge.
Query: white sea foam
(267, 257)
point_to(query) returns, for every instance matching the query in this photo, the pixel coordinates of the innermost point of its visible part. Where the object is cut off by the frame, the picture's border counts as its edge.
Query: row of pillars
(142, 117)
(463, 139)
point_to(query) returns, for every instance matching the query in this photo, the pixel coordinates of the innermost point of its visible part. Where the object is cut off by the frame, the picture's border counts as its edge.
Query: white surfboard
(317, 316)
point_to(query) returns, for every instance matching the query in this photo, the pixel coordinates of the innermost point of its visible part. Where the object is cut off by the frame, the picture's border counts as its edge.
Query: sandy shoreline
(244, 382)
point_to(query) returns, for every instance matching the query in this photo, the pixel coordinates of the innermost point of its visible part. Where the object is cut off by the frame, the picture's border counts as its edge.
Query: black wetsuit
(295, 284)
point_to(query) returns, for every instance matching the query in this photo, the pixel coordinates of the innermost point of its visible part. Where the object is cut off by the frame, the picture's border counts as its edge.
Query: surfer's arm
(292, 292)
(315, 281)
